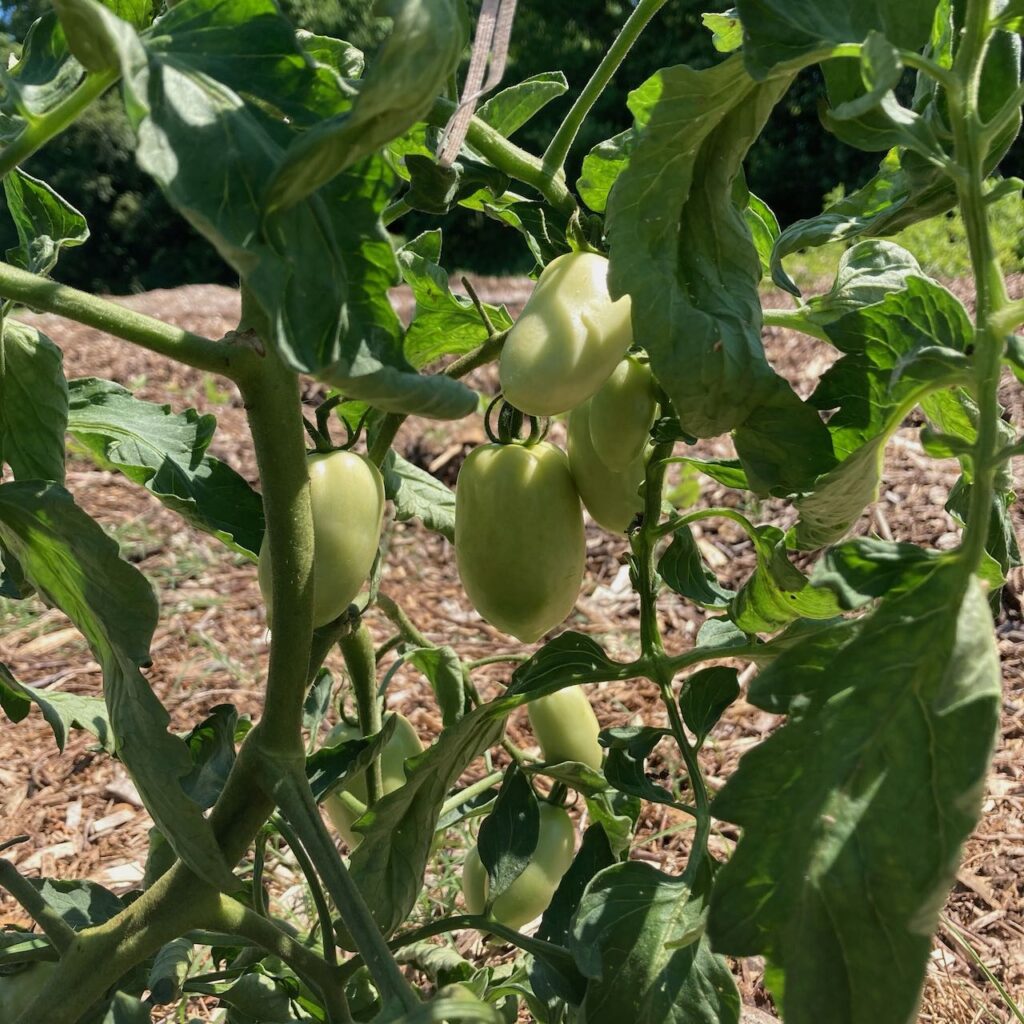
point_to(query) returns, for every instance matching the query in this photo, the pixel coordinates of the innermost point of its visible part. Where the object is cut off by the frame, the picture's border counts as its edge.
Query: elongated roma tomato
(404, 743)
(622, 414)
(612, 498)
(568, 338)
(347, 495)
(566, 727)
(519, 541)
(529, 895)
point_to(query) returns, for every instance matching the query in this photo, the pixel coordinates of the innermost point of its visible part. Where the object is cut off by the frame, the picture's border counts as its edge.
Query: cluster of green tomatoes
(519, 531)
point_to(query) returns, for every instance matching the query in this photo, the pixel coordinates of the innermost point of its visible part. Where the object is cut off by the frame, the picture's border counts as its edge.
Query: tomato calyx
(511, 422)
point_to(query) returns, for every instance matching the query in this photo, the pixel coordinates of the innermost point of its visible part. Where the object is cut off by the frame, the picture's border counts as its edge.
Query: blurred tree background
(139, 243)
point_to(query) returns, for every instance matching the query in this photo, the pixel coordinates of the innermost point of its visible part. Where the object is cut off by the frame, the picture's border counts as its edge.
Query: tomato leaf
(75, 566)
(388, 865)
(166, 452)
(418, 495)
(698, 303)
(127, 1009)
(443, 669)
(777, 592)
(45, 75)
(625, 766)
(231, 81)
(45, 222)
(684, 571)
(793, 33)
(638, 938)
(866, 568)
(508, 835)
(898, 351)
(568, 659)
(212, 746)
(406, 76)
(726, 30)
(594, 855)
(444, 323)
(33, 403)
(170, 969)
(81, 903)
(507, 111)
(62, 711)
(329, 766)
(905, 703)
(704, 697)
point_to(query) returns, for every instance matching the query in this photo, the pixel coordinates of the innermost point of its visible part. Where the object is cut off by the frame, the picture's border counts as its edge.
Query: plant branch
(233, 916)
(145, 331)
(293, 796)
(361, 662)
(41, 129)
(54, 927)
(323, 909)
(558, 148)
(793, 320)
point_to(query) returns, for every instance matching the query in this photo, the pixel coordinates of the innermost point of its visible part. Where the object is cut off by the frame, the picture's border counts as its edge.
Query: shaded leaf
(895, 725)
(704, 697)
(81, 903)
(443, 669)
(407, 74)
(698, 302)
(166, 452)
(625, 766)
(62, 711)
(45, 222)
(508, 835)
(418, 495)
(169, 971)
(638, 937)
(45, 75)
(33, 403)
(126, 1009)
(684, 571)
(212, 746)
(328, 766)
(76, 567)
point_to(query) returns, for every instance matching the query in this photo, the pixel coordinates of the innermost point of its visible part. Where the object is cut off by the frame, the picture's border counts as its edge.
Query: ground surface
(84, 818)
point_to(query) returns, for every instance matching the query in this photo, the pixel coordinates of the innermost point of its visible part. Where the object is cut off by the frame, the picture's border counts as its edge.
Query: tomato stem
(361, 661)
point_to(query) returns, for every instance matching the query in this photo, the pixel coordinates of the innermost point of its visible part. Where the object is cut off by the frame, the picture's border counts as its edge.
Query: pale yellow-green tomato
(530, 894)
(519, 539)
(568, 338)
(612, 498)
(622, 413)
(566, 727)
(404, 743)
(347, 495)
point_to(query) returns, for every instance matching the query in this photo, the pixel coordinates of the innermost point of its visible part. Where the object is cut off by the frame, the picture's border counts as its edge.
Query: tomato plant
(292, 154)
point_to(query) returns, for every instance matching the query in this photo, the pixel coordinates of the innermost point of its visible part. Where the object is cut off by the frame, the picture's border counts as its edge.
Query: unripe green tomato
(622, 414)
(529, 895)
(568, 338)
(17, 990)
(519, 538)
(347, 495)
(613, 499)
(404, 743)
(566, 727)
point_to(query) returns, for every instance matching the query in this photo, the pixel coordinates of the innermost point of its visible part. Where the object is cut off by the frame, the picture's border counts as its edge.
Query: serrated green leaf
(81, 903)
(571, 658)
(896, 725)
(625, 766)
(507, 111)
(33, 403)
(698, 302)
(45, 75)
(684, 571)
(406, 76)
(638, 937)
(341, 57)
(45, 222)
(444, 323)
(62, 711)
(704, 697)
(165, 452)
(418, 495)
(72, 563)
(794, 33)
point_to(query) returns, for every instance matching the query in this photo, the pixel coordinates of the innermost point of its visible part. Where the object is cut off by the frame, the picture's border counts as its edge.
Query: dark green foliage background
(139, 243)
